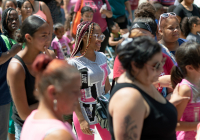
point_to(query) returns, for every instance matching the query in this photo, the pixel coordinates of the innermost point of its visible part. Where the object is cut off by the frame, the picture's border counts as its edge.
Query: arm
(47, 12)
(108, 13)
(164, 81)
(107, 85)
(85, 127)
(66, 3)
(55, 52)
(60, 134)
(15, 78)
(128, 112)
(128, 6)
(5, 56)
(114, 43)
(184, 91)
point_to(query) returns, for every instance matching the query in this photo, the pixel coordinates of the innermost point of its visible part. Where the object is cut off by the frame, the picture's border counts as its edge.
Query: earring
(55, 104)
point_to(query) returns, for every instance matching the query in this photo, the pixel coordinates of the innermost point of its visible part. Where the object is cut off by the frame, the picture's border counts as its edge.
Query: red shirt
(118, 69)
(96, 6)
(134, 4)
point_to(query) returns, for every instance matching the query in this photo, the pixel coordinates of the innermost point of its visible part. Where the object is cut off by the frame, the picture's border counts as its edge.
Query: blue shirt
(5, 96)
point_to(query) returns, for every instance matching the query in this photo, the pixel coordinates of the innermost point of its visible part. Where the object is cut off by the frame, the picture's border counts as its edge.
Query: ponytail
(176, 76)
(187, 24)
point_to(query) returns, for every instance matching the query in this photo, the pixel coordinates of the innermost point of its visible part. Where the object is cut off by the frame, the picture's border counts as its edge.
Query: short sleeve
(54, 45)
(108, 5)
(71, 62)
(117, 69)
(67, 39)
(77, 6)
(179, 11)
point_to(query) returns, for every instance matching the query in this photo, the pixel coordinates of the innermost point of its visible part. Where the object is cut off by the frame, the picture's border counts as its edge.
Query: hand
(67, 17)
(175, 98)
(102, 10)
(85, 127)
(131, 18)
(120, 41)
(16, 48)
(47, 52)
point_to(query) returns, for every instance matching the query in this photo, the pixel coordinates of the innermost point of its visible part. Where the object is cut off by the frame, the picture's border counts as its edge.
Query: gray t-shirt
(192, 37)
(93, 76)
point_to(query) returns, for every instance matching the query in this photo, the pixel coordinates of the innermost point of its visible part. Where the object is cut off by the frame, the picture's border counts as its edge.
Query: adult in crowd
(136, 109)
(169, 29)
(165, 3)
(186, 8)
(5, 97)
(9, 4)
(93, 66)
(20, 77)
(118, 8)
(58, 86)
(99, 16)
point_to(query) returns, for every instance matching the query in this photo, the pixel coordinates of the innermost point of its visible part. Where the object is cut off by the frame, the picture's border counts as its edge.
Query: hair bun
(41, 62)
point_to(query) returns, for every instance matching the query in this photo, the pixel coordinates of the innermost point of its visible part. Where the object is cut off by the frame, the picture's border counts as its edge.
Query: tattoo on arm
(130, 127)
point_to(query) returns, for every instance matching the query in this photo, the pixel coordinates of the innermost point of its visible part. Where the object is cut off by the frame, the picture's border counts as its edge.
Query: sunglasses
(166, 15)
(158, 65)
(99, 37)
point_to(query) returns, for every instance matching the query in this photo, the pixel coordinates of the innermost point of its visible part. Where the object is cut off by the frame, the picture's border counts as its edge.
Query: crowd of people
(54, 72)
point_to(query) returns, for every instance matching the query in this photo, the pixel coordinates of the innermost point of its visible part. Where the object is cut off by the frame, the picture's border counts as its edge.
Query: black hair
(5, 23)
(86, 9)
(21, 2)
(13, 1)
(180, 1)
(57, 26)
(140, 50)
(187, 23)
(187, 54)
(157, 6)
(145, 9)
(149, 21)
(30, 25)
(171, 8)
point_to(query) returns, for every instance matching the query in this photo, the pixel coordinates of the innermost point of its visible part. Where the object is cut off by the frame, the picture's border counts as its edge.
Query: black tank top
(29, 86)
(161, 122)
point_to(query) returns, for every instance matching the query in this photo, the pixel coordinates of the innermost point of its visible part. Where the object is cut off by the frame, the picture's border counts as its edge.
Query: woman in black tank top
(20, 76)
(137, 111)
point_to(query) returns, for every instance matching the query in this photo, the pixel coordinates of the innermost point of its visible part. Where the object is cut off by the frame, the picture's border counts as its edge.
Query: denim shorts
(18, 130)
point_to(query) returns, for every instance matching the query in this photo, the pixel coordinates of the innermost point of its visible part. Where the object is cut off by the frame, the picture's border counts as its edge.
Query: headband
(144, 26)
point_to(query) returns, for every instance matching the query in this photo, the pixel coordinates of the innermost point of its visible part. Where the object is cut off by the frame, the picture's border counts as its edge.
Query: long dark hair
(140, 50)
(5, 23)
(187, 54)
(187, 23)
(30, 25)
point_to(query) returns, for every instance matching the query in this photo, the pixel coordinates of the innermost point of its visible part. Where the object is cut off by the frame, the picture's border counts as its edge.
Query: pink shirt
(96, 6)
(191, 112)
(37, 129)
(59, 44)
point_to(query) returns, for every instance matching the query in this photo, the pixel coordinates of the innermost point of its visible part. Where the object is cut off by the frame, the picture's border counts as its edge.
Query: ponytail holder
(176, 64)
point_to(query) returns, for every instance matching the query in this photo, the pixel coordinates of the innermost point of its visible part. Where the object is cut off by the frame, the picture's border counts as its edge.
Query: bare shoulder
(15, 69)
(60, 134)
(184, 90)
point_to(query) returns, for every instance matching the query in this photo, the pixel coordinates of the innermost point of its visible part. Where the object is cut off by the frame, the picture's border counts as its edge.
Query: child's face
(26, 9)
(12, 21)
(10, 4)
(59, 32)
(196, 27)
(87, 16)
(115, 28)
(170, 29)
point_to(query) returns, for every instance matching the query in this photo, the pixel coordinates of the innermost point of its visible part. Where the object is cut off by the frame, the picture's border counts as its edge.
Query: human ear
(51, 92)
(160, 32)
(28, 37)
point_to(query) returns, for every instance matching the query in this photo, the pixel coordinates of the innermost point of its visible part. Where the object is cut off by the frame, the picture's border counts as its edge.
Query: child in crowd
(61, 44)
(115, 37)
(190, 27)
(87, 14)
(9, 4)
(187, 73)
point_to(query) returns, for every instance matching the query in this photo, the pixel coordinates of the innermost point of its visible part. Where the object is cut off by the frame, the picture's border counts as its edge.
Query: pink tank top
(37, 129)
(41, 13)
(191, 112)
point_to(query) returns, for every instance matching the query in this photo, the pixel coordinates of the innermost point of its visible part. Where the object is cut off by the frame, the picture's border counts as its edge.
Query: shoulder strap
(21, 61)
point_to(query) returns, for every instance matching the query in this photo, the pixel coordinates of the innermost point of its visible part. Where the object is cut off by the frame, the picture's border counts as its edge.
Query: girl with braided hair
(94, 73)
